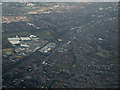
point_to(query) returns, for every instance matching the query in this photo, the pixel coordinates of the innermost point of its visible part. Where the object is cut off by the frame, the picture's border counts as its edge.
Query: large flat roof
(14, 42)
(25, 38)
(14, 39)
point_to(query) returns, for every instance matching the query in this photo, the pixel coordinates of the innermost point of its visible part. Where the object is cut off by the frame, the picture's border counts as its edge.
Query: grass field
(14, 34)
(5, 42)
(44, 34)
(8, 51)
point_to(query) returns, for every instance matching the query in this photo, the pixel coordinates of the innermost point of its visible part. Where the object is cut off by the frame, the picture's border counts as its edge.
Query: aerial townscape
(60, 45)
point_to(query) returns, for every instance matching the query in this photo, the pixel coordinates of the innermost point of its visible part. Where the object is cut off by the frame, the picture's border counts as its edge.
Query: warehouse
(25, 38)
(47, 48)
(14, 40)
(25, 45)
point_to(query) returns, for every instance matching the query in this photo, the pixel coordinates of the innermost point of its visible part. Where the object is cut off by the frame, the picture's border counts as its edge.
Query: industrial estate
(60, 45)
(26, 45)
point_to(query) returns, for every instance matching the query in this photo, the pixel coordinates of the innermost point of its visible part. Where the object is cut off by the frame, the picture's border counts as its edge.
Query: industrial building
(14, 40)
(25, 45)
(25, 38)
(47, 48)
(17, 40)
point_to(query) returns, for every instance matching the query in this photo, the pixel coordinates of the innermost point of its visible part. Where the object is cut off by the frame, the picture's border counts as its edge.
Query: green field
(8, 51)
(44, 34)
(5, 42)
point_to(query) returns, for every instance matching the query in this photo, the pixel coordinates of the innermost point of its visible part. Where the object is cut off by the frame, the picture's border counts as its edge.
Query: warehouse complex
(23, 46)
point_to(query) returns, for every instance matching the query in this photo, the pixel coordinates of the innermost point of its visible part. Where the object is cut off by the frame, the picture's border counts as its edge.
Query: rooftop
(48, 47)
(14, 38)
(25, 38)
(14, 42)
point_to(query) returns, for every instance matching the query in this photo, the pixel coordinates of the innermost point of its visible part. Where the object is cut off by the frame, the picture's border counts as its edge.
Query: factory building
(24, 45)
(14, 40)
(25, 38)
(17, 40)
(33, 36)
(48, 48)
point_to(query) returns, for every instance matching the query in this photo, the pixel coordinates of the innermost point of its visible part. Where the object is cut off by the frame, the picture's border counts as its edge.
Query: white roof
(101, 8)
(14, 39)
(24, 45)
(14, 42)
(25, 38)
(59, 39)
(100, 39)
(33, 36)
